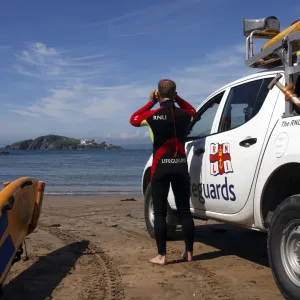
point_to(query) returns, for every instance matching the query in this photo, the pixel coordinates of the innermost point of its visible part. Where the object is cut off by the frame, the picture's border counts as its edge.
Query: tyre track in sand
(104, 281)
(212, 287)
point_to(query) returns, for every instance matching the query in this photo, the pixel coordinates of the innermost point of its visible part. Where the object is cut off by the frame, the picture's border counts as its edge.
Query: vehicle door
(232, 152)
(201, 127)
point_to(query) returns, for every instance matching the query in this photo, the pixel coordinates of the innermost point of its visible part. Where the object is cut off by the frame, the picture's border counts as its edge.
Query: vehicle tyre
(172, 220)
(284, 247)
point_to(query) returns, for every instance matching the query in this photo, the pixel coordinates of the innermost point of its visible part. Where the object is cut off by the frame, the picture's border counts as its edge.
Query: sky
(81, 69)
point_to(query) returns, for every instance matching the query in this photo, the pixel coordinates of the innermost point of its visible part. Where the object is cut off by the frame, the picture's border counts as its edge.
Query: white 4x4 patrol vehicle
(243, 152)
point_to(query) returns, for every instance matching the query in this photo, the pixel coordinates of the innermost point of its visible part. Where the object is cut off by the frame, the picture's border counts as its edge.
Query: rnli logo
(161, 117)
(220, 159)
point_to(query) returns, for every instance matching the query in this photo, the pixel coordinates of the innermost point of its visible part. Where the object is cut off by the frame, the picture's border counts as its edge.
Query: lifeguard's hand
(153, 98)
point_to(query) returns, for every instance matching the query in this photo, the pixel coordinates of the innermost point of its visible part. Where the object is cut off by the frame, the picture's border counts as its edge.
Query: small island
(58, 142)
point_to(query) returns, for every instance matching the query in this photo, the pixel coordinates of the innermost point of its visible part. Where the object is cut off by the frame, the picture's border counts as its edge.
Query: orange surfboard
(295, 26)
(20, 206)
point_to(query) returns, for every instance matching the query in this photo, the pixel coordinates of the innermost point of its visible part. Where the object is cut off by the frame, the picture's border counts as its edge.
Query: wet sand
(98, 248)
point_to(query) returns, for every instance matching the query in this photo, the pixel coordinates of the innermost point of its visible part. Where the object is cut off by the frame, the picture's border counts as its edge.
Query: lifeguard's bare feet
(188, 256)
(159, 260)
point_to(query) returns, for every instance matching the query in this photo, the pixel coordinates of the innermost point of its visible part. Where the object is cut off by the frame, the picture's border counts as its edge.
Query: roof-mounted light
(264, 27)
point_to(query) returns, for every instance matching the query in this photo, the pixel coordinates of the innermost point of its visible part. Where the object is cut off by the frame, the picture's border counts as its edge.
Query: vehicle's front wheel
(284, 247)
(172, 220)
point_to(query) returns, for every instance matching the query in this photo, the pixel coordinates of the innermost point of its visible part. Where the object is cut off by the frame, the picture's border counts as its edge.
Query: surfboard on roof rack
(282, 50)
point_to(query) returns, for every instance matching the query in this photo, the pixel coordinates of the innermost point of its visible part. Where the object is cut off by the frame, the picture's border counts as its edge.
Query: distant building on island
(87, 142)
(102, 145)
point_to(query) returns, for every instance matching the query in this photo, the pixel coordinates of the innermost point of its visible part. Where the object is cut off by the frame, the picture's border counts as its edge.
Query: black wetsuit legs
(181, 188)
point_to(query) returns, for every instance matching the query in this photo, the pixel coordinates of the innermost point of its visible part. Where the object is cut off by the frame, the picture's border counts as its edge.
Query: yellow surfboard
(20, 206)
(295, 26)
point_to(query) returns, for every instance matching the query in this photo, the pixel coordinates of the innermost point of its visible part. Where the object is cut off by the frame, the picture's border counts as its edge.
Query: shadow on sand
(40, 279)
(230, 240)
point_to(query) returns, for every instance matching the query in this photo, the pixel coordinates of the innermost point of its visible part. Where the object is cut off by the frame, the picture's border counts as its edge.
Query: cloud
(218, 68)
(152, 19)
(130, 136)
(77, 89)
(92, 94)
(47, 63)
(151, 12)
(137, 135)
(89, 57)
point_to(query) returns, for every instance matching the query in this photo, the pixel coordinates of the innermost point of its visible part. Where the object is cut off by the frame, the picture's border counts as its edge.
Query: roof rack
(281, 54)
(282, 49)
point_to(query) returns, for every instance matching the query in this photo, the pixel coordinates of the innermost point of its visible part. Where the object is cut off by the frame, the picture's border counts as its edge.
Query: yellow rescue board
(291, 29)
(20, 206)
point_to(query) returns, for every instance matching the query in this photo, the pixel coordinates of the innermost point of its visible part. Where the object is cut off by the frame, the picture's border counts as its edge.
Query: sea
(79, 172)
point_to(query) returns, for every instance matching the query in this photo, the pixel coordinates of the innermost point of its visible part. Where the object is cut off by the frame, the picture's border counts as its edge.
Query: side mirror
(269, 25)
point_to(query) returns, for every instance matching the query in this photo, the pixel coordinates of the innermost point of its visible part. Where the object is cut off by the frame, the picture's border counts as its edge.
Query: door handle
(199, 151)
(248, 142)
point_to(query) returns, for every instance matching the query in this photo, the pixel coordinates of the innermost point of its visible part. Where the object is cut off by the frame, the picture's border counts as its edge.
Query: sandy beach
(98, 248)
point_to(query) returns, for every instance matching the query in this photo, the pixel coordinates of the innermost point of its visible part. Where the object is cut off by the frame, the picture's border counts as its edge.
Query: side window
(243, 103)
(204, 119)
(297, 84)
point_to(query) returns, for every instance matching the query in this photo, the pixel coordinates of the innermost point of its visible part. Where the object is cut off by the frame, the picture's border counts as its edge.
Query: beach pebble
(54, 225)
(129, 199)
(179, 275)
